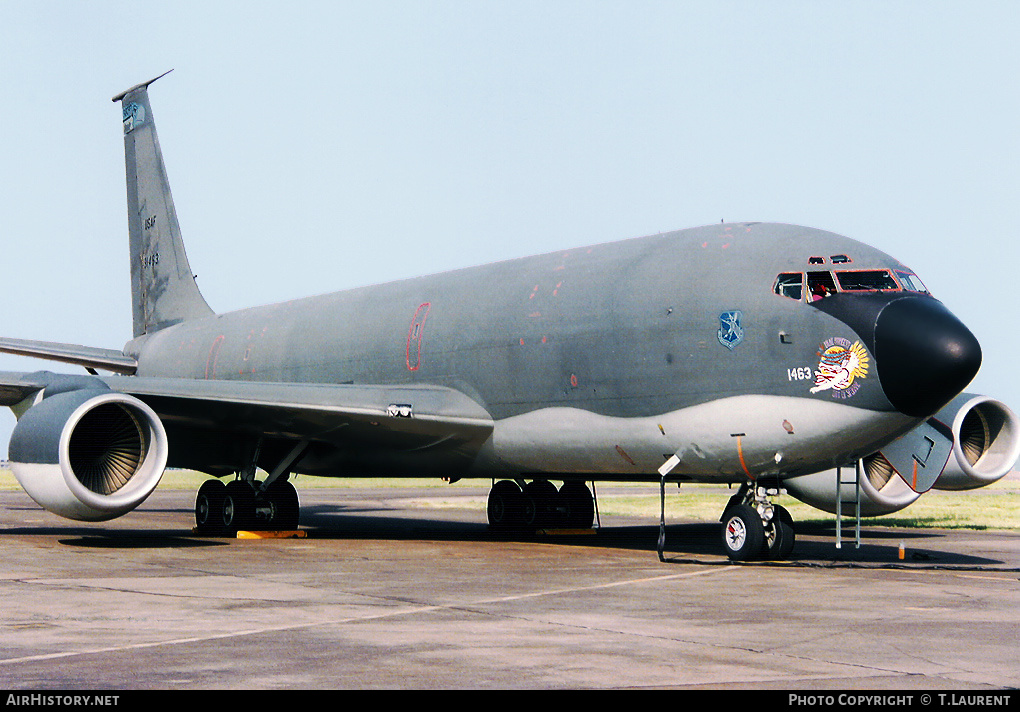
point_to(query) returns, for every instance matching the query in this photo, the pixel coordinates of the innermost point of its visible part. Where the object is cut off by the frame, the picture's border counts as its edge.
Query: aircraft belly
(727, 439)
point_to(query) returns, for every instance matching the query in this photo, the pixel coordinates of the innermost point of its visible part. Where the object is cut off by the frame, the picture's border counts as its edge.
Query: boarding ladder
(856, 501)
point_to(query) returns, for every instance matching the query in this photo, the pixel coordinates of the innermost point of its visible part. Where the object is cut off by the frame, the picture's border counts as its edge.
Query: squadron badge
(730, 331)
(134, 116)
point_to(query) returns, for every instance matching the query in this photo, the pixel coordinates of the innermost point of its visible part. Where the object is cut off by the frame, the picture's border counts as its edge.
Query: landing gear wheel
(743, 533)
(209, 507)
(577, 499)
(283, 500)
(540, 504)
(505, 505)
(238, 505)
(779, 536)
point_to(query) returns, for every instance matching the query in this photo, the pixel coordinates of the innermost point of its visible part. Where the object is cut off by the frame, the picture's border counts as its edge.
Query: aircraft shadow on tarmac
(815, 546)
(136, 540)
(697, 542)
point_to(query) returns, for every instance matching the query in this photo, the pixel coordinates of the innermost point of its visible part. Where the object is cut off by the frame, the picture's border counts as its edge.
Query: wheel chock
(290, 534)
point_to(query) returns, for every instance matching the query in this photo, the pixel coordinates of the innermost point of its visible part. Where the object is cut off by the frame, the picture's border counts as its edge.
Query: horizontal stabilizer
(87, 356)
(920, 456)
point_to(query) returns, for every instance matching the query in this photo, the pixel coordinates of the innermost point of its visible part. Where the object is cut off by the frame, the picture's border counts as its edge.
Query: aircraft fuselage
(756, 354)
(628, 352)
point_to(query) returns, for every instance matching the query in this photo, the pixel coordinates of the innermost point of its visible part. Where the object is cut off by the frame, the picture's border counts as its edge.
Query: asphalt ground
(386, 591)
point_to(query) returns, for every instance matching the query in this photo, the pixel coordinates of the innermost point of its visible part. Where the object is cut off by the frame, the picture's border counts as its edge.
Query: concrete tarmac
(385, 592)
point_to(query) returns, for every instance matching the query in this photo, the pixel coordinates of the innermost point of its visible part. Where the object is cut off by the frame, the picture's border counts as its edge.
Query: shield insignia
(134, 116)
(731, 332)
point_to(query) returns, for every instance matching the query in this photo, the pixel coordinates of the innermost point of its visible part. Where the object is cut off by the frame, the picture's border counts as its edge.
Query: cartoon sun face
(840, 366)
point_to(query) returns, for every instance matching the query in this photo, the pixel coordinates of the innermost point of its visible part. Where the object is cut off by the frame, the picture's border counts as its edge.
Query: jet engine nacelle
(986, 444)
(89, 454)
(882, 490)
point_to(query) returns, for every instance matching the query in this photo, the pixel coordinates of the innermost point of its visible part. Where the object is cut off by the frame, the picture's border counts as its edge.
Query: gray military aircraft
(761, 355)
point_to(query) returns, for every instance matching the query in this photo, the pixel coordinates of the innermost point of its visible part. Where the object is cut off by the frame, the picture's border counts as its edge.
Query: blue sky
(318, 146)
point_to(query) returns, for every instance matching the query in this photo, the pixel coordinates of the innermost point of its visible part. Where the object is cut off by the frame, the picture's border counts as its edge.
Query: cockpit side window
(791, 285)
(911, 282)
(820, 285)
(866, 281)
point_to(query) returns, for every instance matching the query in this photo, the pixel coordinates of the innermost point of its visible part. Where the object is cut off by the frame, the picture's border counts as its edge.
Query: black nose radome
(925, 355)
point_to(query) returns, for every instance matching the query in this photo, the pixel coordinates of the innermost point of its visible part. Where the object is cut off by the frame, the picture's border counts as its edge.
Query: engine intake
(90, 455)
(987, 442)
(986, 445)
(882, 490)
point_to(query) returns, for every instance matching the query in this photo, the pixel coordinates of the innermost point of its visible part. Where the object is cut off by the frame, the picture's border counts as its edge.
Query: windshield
(816, 285)
(866, 281)
(911, 282)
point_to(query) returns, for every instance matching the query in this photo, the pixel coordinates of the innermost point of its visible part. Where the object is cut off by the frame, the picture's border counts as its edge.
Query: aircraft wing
(303, 410)
(355, 425)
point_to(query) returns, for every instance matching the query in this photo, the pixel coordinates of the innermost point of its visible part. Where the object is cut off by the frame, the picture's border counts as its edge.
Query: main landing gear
(247, 503)
(754, 528)
(241, 504)
(538, 504)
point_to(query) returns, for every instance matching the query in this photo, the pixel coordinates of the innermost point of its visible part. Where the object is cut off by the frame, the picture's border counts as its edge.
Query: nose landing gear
(754, 528)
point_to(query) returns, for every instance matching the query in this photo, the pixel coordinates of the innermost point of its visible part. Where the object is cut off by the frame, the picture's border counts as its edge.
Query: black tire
(779, 543)
(238, 506)
(743, 533)
(283, 498)
(580, 506)
(779, 540)
(541, 502)
(505, 505)
(209, 507)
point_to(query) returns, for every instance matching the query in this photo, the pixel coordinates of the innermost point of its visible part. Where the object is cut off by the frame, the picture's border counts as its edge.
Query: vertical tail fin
(163, 288)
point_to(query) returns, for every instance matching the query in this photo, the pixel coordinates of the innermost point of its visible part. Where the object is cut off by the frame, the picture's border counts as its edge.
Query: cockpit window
(790, 284)
(866, 281)
(823, 284)
(820, 285)
(816, 260)
(840, 259)
(911, 282)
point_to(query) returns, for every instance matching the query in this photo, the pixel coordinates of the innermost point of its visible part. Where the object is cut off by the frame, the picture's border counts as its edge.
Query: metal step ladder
(856, 484)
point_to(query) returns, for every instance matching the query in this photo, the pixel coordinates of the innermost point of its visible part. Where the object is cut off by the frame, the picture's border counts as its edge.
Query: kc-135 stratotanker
(754, 354)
